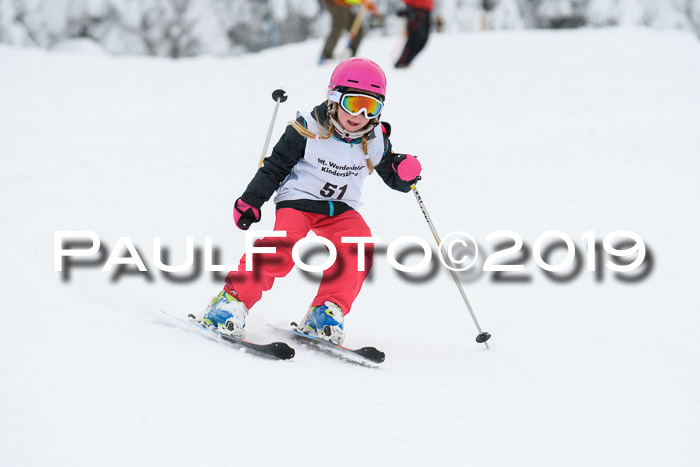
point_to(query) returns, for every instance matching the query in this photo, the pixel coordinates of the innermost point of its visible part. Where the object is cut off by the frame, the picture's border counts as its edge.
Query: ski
(276, 350)
(361, 355)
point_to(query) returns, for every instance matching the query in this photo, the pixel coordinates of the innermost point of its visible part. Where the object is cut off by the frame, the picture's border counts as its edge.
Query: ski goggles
(354, 104)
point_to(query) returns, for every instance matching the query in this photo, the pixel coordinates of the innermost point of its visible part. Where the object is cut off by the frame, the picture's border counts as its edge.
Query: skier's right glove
(244, 214)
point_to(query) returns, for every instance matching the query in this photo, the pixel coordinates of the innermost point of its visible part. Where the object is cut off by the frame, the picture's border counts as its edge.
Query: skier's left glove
(244, 214)
(407, 167)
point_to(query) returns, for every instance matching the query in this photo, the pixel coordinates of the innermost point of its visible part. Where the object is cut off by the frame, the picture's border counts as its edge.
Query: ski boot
(227, 314)
(325, 322)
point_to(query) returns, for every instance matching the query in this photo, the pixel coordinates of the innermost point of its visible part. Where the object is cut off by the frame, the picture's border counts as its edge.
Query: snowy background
(183, 28)
(528, 131)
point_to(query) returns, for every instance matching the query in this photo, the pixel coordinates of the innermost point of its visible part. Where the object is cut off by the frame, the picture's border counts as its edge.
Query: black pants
(418, 30)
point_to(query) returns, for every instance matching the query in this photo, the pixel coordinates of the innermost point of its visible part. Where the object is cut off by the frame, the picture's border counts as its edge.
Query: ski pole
(397, 45)
(356, 24)
(279, 95)
(483, 336)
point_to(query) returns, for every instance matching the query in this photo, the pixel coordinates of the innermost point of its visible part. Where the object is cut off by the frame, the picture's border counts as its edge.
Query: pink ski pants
(340, 283)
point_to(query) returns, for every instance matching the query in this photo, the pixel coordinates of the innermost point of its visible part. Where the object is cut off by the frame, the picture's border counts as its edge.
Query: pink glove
(244, 214)
(407, 167)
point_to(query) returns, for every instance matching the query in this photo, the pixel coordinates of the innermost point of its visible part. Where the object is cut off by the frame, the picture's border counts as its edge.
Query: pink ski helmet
(359, 73)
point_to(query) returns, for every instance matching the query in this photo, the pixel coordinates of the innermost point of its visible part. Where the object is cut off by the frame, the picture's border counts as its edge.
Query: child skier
(317, 168)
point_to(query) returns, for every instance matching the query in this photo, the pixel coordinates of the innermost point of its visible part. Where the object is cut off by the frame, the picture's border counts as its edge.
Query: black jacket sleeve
(286, 153)
(385, 169)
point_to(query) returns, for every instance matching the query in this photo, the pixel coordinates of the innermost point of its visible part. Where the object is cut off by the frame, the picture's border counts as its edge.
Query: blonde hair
(332, 112)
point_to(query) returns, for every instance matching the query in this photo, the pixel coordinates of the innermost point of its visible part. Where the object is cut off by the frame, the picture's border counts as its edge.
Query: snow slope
(529, 131)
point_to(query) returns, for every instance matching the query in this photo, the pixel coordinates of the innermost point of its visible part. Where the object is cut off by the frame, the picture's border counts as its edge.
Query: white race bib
(331, 169)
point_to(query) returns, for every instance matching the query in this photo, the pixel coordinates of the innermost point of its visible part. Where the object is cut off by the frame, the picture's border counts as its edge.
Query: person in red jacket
(417, 14)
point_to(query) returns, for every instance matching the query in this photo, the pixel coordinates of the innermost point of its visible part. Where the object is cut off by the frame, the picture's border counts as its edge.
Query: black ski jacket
(287, 152)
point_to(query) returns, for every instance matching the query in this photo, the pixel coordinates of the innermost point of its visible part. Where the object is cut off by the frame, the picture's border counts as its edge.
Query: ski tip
(372, 354)
(282, 350)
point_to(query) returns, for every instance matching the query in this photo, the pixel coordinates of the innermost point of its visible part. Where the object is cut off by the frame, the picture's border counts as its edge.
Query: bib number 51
(329, 190)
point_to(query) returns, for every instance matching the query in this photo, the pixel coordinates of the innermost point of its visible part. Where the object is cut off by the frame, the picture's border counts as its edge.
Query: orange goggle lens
(356, 103)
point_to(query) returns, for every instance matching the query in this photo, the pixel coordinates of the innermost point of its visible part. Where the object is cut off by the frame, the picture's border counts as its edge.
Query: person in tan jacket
(346, 16)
